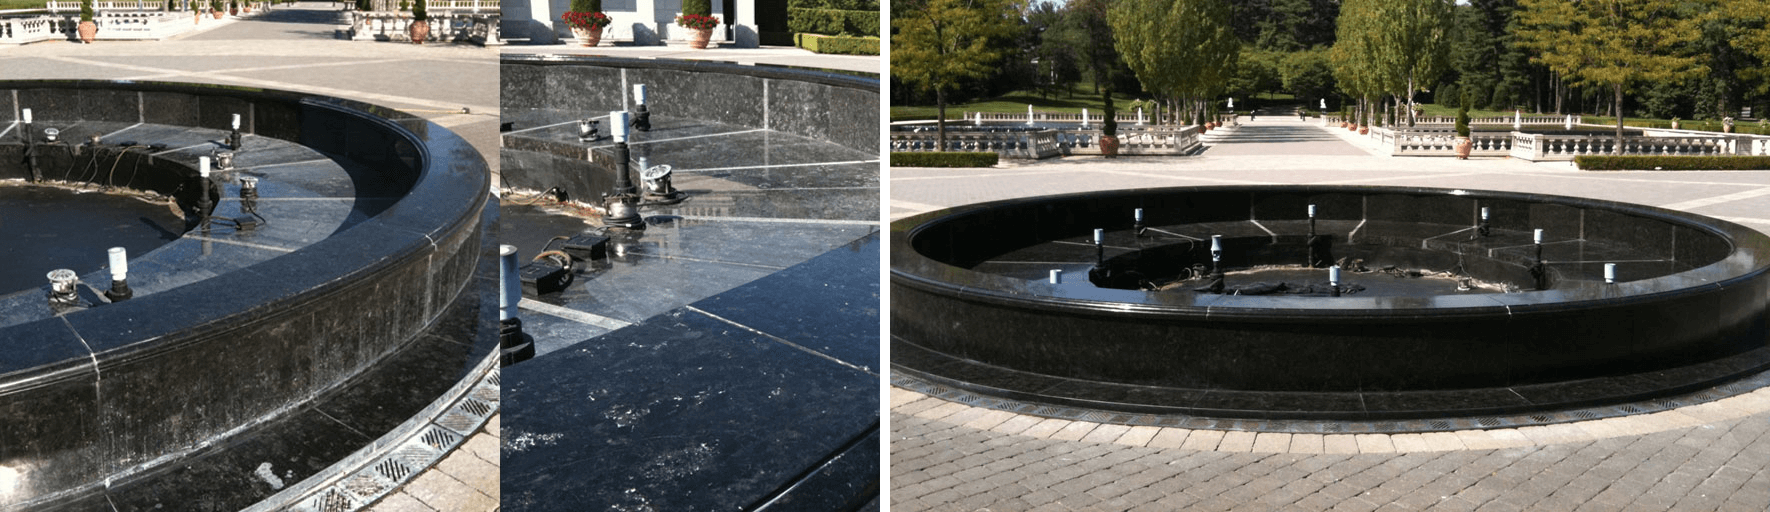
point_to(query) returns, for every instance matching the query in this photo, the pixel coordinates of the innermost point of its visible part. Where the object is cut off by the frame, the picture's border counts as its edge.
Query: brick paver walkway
(946, 456)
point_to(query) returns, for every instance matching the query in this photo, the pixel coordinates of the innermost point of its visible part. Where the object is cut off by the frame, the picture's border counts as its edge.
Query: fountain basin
(973, 308)
(375, 230)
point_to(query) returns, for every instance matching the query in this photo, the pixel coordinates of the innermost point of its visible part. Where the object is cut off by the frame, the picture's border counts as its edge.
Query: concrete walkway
(951, 457)
(292, 48)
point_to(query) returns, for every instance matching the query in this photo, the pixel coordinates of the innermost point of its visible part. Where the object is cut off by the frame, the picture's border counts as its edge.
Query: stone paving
(292, 47)
(947, 456)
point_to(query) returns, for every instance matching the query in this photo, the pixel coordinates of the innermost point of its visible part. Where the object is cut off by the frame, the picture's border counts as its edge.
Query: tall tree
(940, 44)
(1178, 48)
(1399, 46)
(1614, 44)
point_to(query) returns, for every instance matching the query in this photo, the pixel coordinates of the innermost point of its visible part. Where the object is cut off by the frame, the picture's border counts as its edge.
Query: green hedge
(833, 22)
(1672, 163)
(701, 7)
(846, 5)
(837, 44)
(943, 159)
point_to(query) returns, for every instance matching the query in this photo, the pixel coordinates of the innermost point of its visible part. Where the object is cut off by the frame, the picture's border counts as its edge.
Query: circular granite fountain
(269, 336)
(1438, 313)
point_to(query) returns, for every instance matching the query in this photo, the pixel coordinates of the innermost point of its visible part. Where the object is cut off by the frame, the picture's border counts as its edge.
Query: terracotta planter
(1109, 146)
(1464, 145)
(88, 30)
(1674, 125)
(217, 14)
(698, 40)
(233, 11)
(587, 37)
(1364, 130)
(420, 30)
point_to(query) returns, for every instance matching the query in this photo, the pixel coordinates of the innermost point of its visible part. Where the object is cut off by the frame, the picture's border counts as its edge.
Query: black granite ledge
(825, 106)
(1705, 315)
(131, 386)
(729, 402)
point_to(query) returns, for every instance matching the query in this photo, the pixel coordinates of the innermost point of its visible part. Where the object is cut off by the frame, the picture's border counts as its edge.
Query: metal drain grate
(476, 407)
(439, 439)
(393, 469)
(1439, 424)
(458, 421)
(334, 501)
(1488, 422)
(494, 379)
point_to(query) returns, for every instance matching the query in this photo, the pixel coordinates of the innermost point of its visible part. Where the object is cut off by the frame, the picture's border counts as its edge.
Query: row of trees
(1702, 58)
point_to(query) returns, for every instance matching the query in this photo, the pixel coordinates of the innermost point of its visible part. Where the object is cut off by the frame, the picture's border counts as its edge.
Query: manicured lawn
(22, 4)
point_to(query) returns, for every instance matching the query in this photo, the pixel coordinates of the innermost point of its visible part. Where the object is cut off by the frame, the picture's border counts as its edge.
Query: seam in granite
(778, 166)
(574, 315)
(193, 146)
(636, 143)
(844, 222)
(261, 247)
(782, 341)
(279, 164)
(507, 134)
(114, 134)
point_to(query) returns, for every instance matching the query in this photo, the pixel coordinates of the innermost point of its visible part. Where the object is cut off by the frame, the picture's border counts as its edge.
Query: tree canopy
(940, 44)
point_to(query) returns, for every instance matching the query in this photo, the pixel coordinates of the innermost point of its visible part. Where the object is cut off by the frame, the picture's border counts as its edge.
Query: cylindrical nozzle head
(1609, 272)
(1137, 214)
(27, 114)
(1484, 213)
(203, 167)
(1539, 236)
(248, 183)
(509, 282)
(119, 263)
(618, 125)
(236, 122)
(639, 94)
(1099, 236)
(1334, 275)
(1311, 211)
(1056, 276)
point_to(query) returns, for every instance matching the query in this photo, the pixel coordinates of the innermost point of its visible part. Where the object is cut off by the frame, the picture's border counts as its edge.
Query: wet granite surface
(50, 228)
(727, 355)
(719, 404)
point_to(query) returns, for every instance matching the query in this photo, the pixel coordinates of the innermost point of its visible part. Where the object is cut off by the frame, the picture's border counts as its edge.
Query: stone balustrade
(35, 28)
(1451, 121)
(445, 27)
(1026, 144)
(1539, 147)
(1442, 143)
(1036, 144)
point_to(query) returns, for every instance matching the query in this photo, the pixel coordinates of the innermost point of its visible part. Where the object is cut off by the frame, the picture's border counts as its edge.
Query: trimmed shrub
(1672, 163)
(586, 6)
(944, 159)
(701, 7)
(833, 22)
(838, 44)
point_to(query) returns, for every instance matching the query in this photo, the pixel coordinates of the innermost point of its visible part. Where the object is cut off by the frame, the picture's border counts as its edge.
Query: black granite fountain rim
(333, 308)
(853, 80)
(452, 186)
(916, 270)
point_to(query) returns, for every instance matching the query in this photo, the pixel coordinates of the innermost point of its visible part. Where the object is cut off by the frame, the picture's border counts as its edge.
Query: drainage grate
(333, 501)
(1488, 422)
(1439, 424)
(393, 469)
(1541, 418)
(364, 485)
(476, 407)
(439, 439)
(493, 378)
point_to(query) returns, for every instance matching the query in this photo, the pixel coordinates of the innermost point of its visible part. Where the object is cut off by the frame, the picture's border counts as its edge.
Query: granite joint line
(239, 243)
(667, 257)
(573, 314)
(781, 220)
(644, 142)
(543, 127)
(779, 166)
(783, 341)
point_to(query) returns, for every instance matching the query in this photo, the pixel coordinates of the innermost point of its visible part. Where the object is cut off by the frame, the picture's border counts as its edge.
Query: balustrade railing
(1539, 147)
(445, 26)
(1036, 144)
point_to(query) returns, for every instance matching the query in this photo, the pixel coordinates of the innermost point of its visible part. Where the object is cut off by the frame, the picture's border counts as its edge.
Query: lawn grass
(23, 4)
(1015, 102)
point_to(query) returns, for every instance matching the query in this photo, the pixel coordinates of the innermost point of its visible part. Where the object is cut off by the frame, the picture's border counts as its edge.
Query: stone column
(745, 35)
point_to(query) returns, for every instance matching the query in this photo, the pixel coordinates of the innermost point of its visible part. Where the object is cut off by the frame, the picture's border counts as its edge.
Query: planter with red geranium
(697, 16)
(587, 21)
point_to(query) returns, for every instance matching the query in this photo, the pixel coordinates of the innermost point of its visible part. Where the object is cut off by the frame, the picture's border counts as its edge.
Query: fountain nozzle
(119, 275)
(1137, 222)
(514, 346)
(1334, 281)
(641, 116)
(61, 287)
